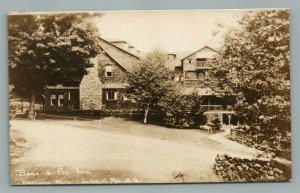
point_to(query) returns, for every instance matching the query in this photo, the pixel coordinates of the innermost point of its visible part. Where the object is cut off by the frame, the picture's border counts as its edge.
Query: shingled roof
(124, 58)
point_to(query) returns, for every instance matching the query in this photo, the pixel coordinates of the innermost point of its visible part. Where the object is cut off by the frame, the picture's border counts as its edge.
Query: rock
(245, 166)
(254, 172)
(271, 172)
(257, 165)
(277, 170)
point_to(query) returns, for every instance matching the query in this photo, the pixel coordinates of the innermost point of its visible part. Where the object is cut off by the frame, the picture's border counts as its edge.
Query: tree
(149, 81)
(48, 50)
(254, 66)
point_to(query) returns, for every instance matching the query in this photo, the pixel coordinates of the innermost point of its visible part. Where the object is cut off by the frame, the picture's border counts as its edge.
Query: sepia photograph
(153, 96)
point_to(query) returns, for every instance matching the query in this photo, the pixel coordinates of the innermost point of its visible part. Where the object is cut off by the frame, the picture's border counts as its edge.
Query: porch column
(229, 120)
(221, 118)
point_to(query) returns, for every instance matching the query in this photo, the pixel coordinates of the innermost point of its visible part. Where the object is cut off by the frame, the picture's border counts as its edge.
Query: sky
(170, 31)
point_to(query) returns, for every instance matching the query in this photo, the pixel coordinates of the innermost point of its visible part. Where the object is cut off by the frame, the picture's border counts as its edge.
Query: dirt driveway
(56, 153)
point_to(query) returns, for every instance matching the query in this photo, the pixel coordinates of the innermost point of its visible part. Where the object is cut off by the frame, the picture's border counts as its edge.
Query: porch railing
(212, 107)
(191, 82)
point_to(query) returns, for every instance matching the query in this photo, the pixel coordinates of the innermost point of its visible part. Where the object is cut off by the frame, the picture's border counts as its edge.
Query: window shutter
(115, 95)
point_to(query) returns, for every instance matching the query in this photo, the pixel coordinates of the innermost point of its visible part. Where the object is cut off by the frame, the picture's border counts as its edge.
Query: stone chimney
(90, 90)
(131, 49)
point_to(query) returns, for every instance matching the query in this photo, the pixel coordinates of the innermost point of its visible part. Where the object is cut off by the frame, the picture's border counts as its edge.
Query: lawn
(113, 150)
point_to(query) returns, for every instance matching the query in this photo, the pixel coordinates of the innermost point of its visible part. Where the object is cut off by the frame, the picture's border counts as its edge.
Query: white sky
(172, 31)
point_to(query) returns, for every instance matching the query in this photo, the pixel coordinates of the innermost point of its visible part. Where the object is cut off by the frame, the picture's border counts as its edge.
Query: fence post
(99, 121)
(74, 121)
(198, 137)
(242, 137)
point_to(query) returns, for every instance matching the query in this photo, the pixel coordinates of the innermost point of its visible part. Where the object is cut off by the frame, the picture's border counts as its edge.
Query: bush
(181, 110)
(260, 138)
(216, 123)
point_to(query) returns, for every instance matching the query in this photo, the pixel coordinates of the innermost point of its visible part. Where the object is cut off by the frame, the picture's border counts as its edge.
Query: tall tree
(254, 65)
(47, 49)
(149, 81)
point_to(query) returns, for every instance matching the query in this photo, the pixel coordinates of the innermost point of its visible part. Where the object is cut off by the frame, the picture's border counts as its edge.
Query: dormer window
(108, 70)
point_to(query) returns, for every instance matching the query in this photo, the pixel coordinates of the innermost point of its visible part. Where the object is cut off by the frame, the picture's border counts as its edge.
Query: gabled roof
(124, 58)
(199, 51)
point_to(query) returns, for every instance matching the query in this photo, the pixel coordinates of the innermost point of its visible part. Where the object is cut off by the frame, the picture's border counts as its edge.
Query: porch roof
(60, 86)
(199, 91)
(219, 111)
(114, 85)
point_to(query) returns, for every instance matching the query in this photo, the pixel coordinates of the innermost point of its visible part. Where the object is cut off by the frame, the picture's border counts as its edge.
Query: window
(125, 98)
(189, 61)
(201, 62)
(111, 95)
(53, 101)
(108, 71)
(60, 100)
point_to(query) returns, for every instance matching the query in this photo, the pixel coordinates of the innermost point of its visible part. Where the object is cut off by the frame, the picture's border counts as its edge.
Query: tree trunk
(31, 107)
(146, 114)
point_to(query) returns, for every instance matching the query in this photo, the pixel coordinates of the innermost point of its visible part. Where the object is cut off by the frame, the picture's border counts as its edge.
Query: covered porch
(61, 97)
(221, 115)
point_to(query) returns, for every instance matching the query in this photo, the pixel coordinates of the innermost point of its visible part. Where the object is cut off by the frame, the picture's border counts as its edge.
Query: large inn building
(104, 84)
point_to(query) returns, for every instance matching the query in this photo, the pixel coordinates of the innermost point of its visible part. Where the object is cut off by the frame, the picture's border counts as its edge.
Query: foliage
(48, 49)
(182, 110)
(254, 66)
(216, 123)
(149, 81)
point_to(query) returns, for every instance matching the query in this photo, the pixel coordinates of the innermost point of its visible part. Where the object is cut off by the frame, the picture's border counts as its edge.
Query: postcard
(156, 96)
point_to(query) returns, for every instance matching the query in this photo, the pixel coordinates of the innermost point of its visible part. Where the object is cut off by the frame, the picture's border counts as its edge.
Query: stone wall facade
(236, 169)
(118, 73)
(90, 90)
